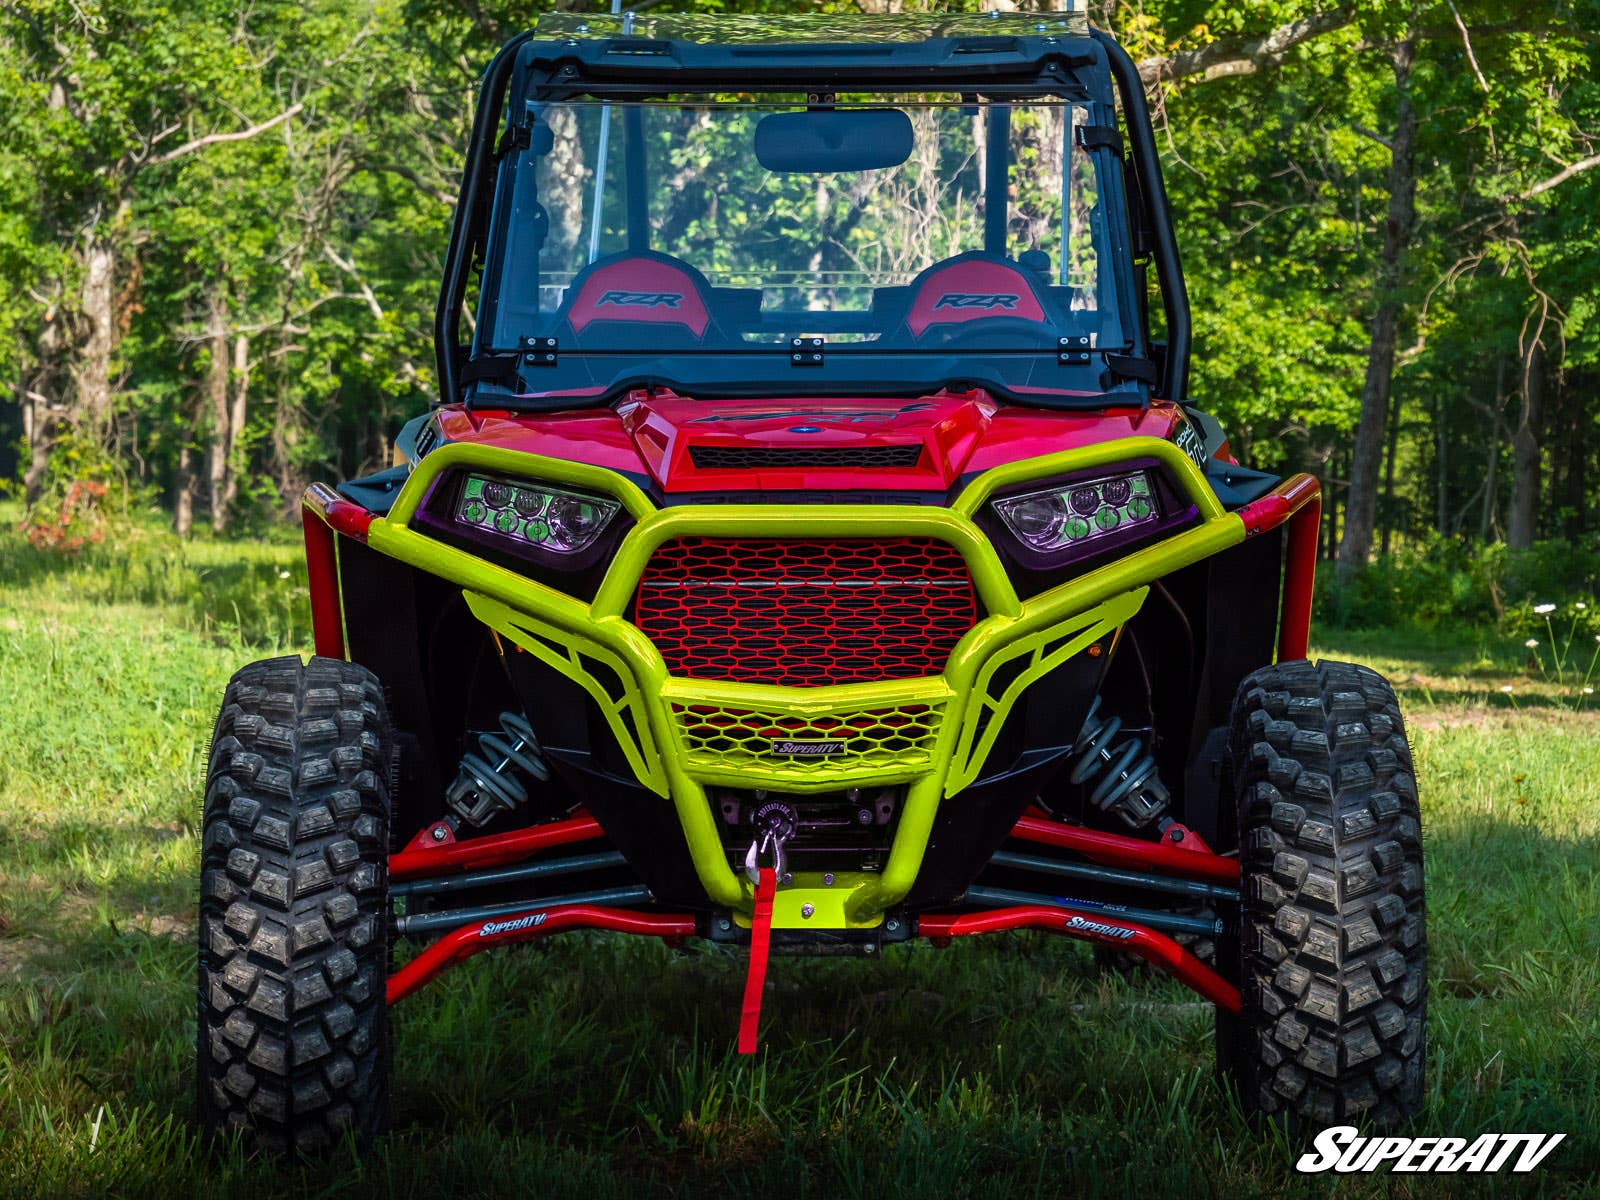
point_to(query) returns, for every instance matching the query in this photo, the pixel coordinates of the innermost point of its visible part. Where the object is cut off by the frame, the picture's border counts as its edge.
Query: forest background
(221, 227)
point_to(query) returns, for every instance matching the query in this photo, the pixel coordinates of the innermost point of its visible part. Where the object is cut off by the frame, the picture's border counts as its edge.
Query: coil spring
(489, 780)
(1122, 773)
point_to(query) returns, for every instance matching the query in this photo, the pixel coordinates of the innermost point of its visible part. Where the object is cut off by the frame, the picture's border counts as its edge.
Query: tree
(223, 230)
(1365, 459)
(100, 96)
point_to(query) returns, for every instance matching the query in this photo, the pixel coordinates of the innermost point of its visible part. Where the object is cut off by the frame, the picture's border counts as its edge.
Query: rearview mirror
(833, 140)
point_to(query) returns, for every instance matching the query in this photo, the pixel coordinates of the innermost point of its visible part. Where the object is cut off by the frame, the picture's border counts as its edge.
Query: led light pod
(1081, 512)
(1040, 520)
(550, 518)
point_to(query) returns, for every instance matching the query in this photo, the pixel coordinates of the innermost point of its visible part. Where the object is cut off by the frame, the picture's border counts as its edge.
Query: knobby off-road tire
(1331, 954)
(293, 1033)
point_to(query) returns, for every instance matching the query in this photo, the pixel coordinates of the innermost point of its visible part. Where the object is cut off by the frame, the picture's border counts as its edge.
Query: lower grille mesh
(901, 737)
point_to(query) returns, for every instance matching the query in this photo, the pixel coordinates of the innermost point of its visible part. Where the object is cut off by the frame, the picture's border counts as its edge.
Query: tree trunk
(1491, 486)
(45, 403)
(287, 431)
(1573, 474)
(41, 441)
(216, 395)
(183, 494)
(1388, 476)
(91, 372)
(565, 161)
(1366, 458)
(238, 410)
(1577, 463)
(1442, 466)
(1330, 509)
(1525, 455)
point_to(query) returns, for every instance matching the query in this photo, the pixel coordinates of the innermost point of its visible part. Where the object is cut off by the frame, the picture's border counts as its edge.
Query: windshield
(819, 247)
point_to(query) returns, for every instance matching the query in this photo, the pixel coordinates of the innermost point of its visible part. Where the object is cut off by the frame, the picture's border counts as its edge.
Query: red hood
(657, 435)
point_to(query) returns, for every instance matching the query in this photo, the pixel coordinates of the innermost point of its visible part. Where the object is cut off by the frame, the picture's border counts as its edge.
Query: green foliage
(1280, 187)
(1444, 581)
(319, 240)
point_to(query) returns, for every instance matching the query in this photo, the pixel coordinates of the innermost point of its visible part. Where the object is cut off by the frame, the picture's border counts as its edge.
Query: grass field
(597, 1067)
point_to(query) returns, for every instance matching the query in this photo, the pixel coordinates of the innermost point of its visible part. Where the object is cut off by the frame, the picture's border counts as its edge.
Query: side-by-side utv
(812, 548)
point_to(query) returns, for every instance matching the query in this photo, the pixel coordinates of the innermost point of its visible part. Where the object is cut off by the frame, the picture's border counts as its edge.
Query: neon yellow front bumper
(931, 735)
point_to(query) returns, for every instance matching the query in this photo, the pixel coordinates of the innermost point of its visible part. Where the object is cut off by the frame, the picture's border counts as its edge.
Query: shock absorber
(1120, 774)
(490, 779)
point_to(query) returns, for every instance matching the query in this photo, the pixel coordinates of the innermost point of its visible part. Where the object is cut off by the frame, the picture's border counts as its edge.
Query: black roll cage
(634, 67)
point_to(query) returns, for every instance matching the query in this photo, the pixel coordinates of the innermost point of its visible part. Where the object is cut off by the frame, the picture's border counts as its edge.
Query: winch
(848, 830)
(775, 824)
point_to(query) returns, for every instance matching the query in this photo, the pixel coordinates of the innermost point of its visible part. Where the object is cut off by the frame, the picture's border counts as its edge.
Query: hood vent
(767, 458)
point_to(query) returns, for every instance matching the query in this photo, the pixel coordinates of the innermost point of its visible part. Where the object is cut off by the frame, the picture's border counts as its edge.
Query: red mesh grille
(805, 613)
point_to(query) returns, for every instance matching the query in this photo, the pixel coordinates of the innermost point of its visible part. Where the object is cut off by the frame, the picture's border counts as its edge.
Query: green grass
(593, 1066)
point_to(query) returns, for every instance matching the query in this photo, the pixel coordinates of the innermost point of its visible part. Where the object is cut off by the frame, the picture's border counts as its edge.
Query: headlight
(1081, 513)
(549, 518)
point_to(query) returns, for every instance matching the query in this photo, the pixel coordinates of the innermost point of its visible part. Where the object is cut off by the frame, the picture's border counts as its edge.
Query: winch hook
(774, 824)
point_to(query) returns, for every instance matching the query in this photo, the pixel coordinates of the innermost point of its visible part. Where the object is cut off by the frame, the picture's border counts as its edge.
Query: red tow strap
(755, 981)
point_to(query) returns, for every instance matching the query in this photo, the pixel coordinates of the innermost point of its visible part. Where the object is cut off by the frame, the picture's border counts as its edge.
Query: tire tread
(293, 1026)
(1332, 950)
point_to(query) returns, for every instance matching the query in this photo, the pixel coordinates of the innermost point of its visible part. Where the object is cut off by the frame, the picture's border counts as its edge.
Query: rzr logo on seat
(640, 299)
(985, 300)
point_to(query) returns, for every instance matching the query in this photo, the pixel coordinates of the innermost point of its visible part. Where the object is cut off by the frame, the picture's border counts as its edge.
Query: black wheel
(293, 1032)
(1331, 956)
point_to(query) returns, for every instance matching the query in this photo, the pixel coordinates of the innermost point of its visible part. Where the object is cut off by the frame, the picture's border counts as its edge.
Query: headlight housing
(551, 519)
(1053, 529)
(550, 533)
(1084, 514)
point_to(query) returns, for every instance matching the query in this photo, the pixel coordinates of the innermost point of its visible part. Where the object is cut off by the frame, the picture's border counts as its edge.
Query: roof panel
(816, 28)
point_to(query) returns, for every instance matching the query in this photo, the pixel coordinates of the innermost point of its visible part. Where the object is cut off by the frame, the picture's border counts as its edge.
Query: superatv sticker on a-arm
(1099, 928)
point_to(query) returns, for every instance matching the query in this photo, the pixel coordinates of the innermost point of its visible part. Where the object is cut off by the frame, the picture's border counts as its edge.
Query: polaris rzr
(813, 548)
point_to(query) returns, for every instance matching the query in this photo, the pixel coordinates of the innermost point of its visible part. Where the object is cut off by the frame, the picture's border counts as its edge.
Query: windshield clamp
(1073, 351)
(1094, 137)
(806, 351)
(516, 137)
(539, 351)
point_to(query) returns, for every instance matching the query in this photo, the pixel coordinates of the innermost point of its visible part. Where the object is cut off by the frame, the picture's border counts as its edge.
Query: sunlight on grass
(598, 1066)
